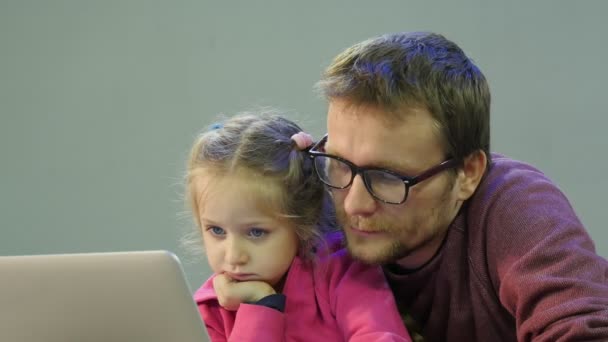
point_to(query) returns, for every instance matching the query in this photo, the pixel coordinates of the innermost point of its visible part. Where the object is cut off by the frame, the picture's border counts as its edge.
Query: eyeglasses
(384, 185)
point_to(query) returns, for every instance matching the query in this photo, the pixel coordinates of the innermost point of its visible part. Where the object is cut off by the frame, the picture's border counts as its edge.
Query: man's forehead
(387, 115)
(365, 153)
(363, 135)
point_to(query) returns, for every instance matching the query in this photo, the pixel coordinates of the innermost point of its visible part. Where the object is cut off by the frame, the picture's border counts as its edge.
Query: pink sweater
(336, 300)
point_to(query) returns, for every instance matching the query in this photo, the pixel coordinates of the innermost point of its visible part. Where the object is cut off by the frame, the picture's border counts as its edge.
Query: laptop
(95, 297)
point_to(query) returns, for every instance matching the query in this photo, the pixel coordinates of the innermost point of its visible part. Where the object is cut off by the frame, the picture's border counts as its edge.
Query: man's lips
(365, 232)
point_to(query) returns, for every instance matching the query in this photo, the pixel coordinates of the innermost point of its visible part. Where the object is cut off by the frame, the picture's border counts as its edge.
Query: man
(476, 246)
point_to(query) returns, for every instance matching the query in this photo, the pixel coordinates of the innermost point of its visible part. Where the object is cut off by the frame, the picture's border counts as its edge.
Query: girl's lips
(241, 276)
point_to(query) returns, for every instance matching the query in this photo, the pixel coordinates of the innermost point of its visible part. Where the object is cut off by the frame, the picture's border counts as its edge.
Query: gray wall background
(100, 100)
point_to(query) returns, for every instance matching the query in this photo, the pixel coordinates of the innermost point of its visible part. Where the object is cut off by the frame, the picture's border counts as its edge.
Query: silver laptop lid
(123, 296)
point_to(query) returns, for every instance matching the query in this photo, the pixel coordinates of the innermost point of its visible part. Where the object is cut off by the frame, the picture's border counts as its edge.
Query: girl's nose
(236, 253)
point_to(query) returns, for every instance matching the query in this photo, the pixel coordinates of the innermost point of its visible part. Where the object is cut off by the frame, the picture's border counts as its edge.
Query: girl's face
(242, 240)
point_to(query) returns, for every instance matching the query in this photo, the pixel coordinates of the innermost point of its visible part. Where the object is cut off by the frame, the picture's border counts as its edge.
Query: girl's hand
(231, 293)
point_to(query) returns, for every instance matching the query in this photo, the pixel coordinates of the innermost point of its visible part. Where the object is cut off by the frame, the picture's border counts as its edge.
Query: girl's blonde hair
(259, 145)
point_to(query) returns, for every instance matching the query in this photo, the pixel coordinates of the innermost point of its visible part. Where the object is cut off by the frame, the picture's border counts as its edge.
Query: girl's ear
(469, 176)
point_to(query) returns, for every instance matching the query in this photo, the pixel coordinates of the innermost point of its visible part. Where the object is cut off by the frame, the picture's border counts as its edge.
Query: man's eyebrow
(394, 167)
(401, 169)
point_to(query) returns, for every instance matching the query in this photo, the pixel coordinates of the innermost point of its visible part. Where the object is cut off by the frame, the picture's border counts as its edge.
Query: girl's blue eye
(217, 231)
(257, 232)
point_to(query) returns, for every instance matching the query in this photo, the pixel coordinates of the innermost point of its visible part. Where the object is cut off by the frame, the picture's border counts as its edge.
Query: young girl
(260, 210)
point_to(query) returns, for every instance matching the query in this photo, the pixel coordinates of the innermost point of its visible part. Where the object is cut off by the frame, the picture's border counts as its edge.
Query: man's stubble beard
(397, 249)
(386, 252)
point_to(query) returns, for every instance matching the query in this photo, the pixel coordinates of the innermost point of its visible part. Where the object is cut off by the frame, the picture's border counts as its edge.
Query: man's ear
(470, 174)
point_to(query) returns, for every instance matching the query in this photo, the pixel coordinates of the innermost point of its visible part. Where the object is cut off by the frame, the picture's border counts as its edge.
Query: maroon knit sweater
(516, 265)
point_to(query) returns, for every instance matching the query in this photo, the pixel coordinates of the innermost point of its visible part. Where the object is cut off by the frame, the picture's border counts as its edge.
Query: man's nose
(358, 201)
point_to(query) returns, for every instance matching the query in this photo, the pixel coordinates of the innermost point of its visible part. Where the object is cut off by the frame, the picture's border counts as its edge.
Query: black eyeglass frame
(357, 170)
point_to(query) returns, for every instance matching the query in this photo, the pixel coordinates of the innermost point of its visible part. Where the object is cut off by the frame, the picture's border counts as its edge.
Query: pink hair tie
(303, 140)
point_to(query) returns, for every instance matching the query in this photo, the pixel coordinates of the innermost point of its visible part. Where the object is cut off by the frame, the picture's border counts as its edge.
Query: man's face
(408, 233)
